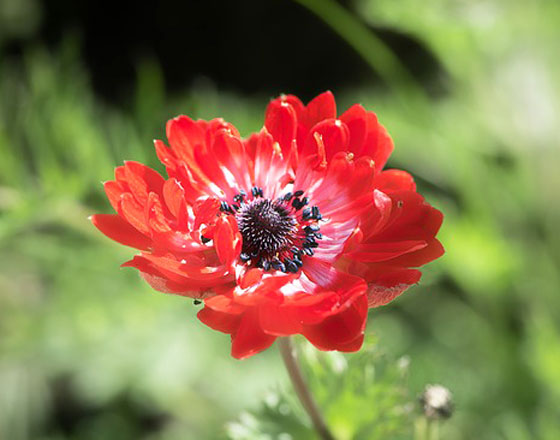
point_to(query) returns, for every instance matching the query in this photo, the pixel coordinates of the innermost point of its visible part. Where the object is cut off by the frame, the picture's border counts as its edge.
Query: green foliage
(362, 396)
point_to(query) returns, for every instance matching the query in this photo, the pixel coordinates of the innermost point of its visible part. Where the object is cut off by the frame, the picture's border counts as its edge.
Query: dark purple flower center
(277, 234)
(267, 227)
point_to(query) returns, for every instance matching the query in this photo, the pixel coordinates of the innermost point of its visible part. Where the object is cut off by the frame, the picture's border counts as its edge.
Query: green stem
(302, 390)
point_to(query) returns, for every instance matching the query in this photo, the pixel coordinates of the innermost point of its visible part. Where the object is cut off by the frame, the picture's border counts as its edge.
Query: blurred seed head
(437, 402)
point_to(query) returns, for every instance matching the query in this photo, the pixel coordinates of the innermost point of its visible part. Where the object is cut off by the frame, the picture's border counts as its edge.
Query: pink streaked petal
(271, 167)
(351, 181)
(229, 151)
(335, 235)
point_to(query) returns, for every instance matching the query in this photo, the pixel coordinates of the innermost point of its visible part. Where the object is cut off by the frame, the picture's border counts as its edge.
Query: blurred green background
(470, 92)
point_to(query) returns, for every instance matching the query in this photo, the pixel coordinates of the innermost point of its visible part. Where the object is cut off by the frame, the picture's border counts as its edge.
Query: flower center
(277, 234)
(266, 226)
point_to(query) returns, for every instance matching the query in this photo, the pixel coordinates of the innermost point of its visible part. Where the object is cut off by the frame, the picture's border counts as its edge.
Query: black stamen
(298, 193)
(296, 203)
(291, 266)
(278, 265)
(204, 239)
(224, 207)
(308, 242)
(256, 191)
(315, 213)
(306, 213)
(309, 229)
(287, 197)
(244, 257)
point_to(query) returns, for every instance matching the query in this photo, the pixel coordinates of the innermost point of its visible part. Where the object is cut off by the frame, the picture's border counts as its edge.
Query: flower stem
(302, 390)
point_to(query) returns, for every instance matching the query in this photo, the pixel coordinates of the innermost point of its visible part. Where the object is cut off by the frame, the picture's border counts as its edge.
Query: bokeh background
(469, 91)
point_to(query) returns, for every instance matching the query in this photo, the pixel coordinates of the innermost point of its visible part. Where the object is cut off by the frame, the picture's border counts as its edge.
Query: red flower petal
(222, 322)
(395, 180)
(165, 155)
(355, 118)
(383, 148)
(341, 328)
(184, 136)
(334, 134)
(387, 287)
(114, 227)
(281, 122)
(114, 190)
(142, 180)
(432, 251)
(227, 240)
(174, 196)
(353, 345)
(376, 252)
(155, 216)
(279, 321)
(320, 108)
(249, 338)
(133, 213)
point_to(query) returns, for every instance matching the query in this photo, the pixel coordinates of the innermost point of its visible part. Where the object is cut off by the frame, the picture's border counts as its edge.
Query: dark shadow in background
(257, 46)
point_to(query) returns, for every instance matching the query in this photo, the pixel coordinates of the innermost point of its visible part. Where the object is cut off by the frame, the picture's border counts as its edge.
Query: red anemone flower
(295, 230)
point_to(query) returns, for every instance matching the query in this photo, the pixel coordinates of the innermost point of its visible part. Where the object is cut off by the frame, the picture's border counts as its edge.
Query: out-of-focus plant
(363, 396)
